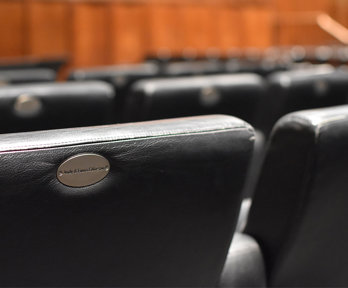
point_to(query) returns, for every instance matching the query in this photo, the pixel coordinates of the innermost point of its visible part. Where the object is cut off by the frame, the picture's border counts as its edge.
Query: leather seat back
(315, 87)
(54, 105)
(299, 213)
(237, 95)
(163, 215)
(8, 77)
(262, 67)
(121, 77)
(192, 68)
(18, 63)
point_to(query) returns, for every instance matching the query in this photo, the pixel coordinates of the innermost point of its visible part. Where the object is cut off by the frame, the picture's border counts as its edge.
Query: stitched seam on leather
(114, 139)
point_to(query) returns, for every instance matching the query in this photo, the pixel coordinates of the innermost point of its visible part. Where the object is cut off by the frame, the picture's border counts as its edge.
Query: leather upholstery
(19, 63)
(236, 95)
(316, 87)
(244, 265)
(163, 216)
(190, 68)
(299, 211)
(263, 68)
(120, 76)
(54, 105)
(26, 76)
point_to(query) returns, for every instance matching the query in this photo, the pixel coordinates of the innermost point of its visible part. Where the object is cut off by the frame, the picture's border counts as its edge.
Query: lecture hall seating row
(156, 204)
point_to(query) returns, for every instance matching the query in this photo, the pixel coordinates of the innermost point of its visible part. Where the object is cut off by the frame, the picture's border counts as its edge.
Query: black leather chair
(148, 204)
(299, 213)
(263, 67)
(237, 95)
(19, 63)
(193, 68)
(8, 77)
(54, 105)
(316, 87)
(120, 76)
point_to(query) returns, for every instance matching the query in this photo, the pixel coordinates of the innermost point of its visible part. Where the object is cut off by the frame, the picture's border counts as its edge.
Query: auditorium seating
(262, 67)
(299, 211)
(19, 63)
(150, 204)
(313, 87)
(28, 107)
(190, 68)
(8, 77)
(201, 201)
(237, 95)
(120, 76)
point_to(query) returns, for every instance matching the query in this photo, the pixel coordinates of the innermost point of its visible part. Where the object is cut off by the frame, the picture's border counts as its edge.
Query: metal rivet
(209, 96)
(321, 88)
(27, 105)
(120, 80)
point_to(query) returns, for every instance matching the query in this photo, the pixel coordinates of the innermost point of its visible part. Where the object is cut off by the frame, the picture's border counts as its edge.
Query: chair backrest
(8, 77)
(299, 213)
(191, 68)
(148, 204)
(237, 95)
(54, 105)
(18, 63)
(262, 67)
(121, 77)
(315, 87)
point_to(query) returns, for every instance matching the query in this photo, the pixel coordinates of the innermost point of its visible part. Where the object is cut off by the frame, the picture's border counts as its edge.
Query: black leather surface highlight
(62, 105)
(27, 76)
(314, 87)
(244, 265)
(113, 74)
(18, 63)
(191, 68)
(237, 95)
(263, 68)
(300, 207)
(163, 216)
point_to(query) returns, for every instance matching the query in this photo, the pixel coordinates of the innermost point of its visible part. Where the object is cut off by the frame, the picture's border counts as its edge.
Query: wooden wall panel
(90, 35)
(292, 32)
(99, 32)
(129, 32)
(296, 23)
(49, 24)
(229, 27)
(12, 29)
(341, 11)
(304, 5)
(258, 25)
(199, 25)
(164, 28)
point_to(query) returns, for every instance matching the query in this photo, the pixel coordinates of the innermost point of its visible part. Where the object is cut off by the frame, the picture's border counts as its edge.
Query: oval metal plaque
(83, 170)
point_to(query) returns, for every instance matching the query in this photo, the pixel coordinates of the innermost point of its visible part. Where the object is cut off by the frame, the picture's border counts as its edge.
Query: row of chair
(165, 212)
(250, 97)
(156, 203)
